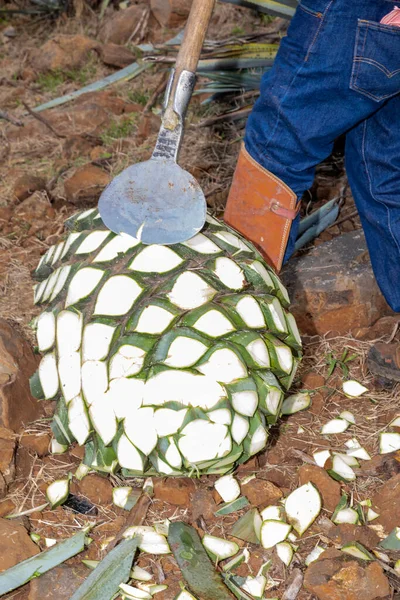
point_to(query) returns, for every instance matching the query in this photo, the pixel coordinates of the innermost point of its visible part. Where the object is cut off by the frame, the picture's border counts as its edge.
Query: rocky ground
(57, 162)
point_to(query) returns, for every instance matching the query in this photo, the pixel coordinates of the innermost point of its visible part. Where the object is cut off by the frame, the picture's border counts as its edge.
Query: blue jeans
(338, 72)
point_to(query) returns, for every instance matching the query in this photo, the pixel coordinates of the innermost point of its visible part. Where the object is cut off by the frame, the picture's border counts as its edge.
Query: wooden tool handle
(195, 33)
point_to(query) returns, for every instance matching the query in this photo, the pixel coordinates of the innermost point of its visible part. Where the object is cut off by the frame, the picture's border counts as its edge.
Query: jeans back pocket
(376, 63)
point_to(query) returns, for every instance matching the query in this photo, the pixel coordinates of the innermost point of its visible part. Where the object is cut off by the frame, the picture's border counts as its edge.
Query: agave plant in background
(163, 360)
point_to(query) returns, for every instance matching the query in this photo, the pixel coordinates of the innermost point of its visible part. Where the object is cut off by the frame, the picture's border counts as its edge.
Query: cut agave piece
(228, 488)
(335, 426)
(185, 595)
(371, 515)
(272, 513)
(357, 550)
(351, 461)
(57, 492)
(140, 574)
(274, 532)
(348, 416)
(314, 555)
(285, 552)
(57, 448)
(340, 470)
(395, 422)
(248, 527)
(392, 541)
(255, 585)
(389, 442)
(346, 515)
(321, 457)
(295, 403)
(126, 497)
(353, 389)
(218, 548)
(83, 284)
(149, 541)
(359, 453)
(134, 593)
(302, 507)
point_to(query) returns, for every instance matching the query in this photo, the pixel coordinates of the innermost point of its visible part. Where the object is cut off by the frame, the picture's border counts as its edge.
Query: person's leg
(308, 98)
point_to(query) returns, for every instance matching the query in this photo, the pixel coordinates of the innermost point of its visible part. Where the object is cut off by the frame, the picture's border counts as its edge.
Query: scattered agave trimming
(166, 360)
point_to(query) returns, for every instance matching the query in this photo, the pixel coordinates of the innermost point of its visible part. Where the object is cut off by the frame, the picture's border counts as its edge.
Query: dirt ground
(58, 162)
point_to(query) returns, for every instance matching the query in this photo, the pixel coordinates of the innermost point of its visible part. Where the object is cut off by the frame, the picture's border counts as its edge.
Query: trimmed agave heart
(170, 360)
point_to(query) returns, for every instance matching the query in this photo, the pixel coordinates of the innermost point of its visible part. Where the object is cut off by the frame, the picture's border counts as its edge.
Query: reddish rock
(95, 488)
(5, 215)
(327, 487)
(62, 52)
(85, 185)
(383, 466)
(171, 13)
(386, 502)
(345, 533)
(26, 185)
(177, 491)
(78, 145)
(58, 583)
(260, 492)
(7, 456)
(149, 125)
(381, 329)
(23, 463)
(335, 576)
(312, 381)
(120, 26)
(15, 544)
(36, 443)
(7, 507)
(116, 55)
(333, 287)
(202, 504)
(17, 364)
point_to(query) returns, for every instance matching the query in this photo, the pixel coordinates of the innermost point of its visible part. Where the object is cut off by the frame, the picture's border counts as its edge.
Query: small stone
(58, 583)
(85, 185)
(345, 533)
(15, 544)
(120, 26)
(34, 208)
(202, 504)
(18, 362)
(335, 576)
(312, 381)
(62, 52)
(26, 185)
(95, 488)
(177, 492)
(171, 13)
(386, 502)
(116, 55)
(7, 507)
(260, 492)
(327, 487)
(37, 444)
(149, 125)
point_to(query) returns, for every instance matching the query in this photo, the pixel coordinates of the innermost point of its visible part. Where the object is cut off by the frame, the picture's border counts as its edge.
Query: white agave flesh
(229, 273)
(78, 420)
(127, 361)
(48, 375)
(389, 442)
(120, 244)
(92, 241)
(342, 469)
(102, 416)
(69, 370)
(258, 440)
(154, 320)
(168, 421)
(214, 324)
(128, 456)
(259, 353)
(86, 213)
(69, 241)
(96, 341)
(139, 427)
(46, 331)
(245, 403)
(228, 488)
(125, 396)
(155, 259)
(117, 296)
(271, 513)
(183, 387)
(255, 585)
(94, 380)
(335, 426)
(220, 415)
(61, 279)
(314, 555)
(273, 532)
(203, 441)
(353, 388)
(302, 507)
(184, 352)
(259, 268)
(219, 547)
(285, 552)
(321, 457)
(190, 291)
(69, 332)
(251, 313)
(200, 243)
(359, 453)
(276, 311)
(346, 515)
(239, 429)
(223, 366)
(395, 422)
(232, 240)
(83, 284)
(173, 456)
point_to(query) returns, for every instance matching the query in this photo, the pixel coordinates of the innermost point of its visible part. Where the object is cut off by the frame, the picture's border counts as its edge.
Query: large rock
(262, 493)
(17, 364)
(62, 52)
(177, 492)
(171, 13)
(335, 576)
(95, 488)
(386, 502)
(333, 288)
(15, 544)
(116, 55)
(120, 26)
(59, 583)
(85, 185)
